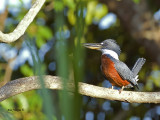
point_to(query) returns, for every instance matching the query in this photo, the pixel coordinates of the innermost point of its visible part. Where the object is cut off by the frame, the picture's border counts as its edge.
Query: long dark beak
(96, 46)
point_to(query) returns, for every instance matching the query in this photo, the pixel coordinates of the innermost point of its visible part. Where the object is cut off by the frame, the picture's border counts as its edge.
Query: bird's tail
(137, 66)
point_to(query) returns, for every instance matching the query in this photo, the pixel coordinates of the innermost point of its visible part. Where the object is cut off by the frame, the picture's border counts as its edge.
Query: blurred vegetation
(52, 45)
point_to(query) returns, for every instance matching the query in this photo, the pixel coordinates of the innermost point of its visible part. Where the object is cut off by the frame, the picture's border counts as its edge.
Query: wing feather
(125, 72)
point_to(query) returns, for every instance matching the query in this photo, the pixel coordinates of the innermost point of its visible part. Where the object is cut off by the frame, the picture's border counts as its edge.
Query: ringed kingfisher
(116, 71)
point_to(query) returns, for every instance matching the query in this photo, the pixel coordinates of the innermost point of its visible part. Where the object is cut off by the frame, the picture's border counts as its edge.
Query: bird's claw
(121, 90)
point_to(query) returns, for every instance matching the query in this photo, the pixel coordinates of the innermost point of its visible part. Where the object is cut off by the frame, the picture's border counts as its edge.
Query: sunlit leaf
(8, 104)
(71, 17)
(23, 102)
(40, 41)
(58, 5)
(136, 1)
(70, 3)
(95, 12)
(26, 70)
(100, 11)
(90, 11)
(45, 32)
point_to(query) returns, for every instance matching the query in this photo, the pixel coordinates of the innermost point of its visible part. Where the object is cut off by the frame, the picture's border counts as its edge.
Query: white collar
(111, 53)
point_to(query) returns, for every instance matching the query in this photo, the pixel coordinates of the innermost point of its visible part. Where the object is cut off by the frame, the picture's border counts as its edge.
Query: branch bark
(53, 82)
(24, 23)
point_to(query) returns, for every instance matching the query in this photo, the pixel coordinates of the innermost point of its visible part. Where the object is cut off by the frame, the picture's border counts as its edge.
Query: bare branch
(24, 23)
(53, 82)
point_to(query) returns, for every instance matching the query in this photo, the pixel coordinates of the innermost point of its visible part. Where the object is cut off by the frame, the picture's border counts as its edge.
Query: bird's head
(106, 46)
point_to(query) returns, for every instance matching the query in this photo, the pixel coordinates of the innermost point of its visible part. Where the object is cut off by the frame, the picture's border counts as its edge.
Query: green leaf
(100, 11)
(71, 17)
(95, 11)
(40, 41)
(58, 5)
(26, 70)
(70, 3)
(136, 1)
(22, 101)
(8, 104)
(45, 32)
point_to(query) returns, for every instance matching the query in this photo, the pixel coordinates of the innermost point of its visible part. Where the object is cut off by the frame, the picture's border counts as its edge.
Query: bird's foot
(112, 87)
(121, 90)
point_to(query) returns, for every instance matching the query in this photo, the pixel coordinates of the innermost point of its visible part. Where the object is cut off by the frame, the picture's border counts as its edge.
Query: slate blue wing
(125, 72)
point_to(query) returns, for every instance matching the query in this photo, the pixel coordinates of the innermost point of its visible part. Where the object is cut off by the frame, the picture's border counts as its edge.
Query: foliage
(56, 36)
(136, 1)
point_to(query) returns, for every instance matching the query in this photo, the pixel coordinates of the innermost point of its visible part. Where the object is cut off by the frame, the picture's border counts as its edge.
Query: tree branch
(24, 23)
(53, 82)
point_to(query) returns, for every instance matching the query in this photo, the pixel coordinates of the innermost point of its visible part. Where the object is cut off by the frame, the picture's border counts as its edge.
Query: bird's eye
(105, 44)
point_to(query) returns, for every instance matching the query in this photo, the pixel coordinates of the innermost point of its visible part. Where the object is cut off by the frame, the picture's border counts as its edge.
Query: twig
(24, 23)
(3, 17)
(53, 82)
(8, 72)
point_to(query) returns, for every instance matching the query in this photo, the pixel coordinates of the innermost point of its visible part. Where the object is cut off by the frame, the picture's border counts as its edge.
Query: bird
(113, 69)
